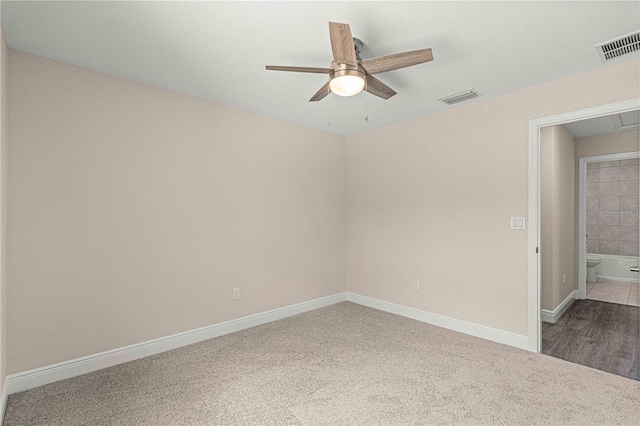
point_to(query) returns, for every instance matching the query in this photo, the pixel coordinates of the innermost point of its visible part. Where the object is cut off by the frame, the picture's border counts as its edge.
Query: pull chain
(366, 106)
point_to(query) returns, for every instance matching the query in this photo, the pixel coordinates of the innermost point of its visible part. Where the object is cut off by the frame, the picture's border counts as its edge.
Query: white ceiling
(218, 50)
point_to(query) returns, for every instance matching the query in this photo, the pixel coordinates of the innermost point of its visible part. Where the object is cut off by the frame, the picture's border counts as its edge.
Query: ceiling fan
(349, 74)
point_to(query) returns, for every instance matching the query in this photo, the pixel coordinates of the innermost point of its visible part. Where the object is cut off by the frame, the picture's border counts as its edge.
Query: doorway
(535, 272)
(600, 332)
(612, 248)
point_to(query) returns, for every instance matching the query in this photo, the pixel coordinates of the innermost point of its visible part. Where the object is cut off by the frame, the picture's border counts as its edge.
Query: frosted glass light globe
(346, 85)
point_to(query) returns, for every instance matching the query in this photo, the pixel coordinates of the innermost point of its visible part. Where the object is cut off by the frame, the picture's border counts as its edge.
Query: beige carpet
(344, 364)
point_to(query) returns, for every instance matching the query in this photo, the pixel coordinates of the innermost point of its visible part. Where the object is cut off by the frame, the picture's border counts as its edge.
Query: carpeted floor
(344, 364)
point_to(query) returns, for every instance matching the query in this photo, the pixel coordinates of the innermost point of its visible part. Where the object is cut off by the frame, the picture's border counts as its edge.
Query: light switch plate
(518, 223)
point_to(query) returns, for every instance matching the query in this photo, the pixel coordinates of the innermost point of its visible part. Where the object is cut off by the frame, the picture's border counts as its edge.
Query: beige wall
(135, 211)
(430, 200)
(557, 215)
(612, 143)
(4, 143)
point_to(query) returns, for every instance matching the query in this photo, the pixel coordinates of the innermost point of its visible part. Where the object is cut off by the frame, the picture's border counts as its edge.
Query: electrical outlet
(564, 279)
(236, 293)
(416, 285)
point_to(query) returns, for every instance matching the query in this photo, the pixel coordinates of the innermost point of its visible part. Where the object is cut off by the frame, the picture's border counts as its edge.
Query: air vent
(618, 47)
(460, 97)
(629, 120)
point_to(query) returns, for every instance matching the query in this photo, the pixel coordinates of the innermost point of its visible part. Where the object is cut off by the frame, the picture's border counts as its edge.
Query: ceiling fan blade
(342, 46)
(397, 61)
(378, 88)
(321, 94)
(300, 69)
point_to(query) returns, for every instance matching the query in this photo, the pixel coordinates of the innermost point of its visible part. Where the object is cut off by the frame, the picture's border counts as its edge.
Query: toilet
(592, 262)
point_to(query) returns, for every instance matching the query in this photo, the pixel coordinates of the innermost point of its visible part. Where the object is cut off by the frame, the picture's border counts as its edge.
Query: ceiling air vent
(618, 47)
(460, 97)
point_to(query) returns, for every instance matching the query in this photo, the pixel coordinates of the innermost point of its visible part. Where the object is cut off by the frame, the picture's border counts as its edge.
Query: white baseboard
(477, 330)
(41, 376)
(626, 280)
(553, 316)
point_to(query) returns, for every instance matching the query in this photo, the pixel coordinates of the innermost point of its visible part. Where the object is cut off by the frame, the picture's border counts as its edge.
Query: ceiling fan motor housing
(340, 70)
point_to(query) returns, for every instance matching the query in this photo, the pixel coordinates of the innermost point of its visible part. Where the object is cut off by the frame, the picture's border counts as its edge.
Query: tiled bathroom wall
(612, 207)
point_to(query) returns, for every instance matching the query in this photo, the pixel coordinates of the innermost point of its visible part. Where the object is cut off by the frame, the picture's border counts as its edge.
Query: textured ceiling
(218, 50)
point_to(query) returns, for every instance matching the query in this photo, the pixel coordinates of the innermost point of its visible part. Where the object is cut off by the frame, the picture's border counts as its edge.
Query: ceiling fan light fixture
(349, 74)
(347, 82)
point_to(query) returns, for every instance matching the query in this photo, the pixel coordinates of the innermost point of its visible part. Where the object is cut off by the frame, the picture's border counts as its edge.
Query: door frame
(535, 329)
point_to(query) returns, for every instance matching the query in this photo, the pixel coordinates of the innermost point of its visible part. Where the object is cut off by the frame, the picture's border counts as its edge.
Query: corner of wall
(558, 215)
(3, 216)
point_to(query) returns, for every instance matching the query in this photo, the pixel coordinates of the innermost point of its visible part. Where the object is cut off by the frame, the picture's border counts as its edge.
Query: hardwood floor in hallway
(597, 334)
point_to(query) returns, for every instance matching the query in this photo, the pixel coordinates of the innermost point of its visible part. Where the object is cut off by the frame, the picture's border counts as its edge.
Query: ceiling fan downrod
(357, 44)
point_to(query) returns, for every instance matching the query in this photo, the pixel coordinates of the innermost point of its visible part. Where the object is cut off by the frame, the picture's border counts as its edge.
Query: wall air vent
(460, 97)
(618, 47)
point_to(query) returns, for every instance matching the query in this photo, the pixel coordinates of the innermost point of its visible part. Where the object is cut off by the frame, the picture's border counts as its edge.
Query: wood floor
(597, 334)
